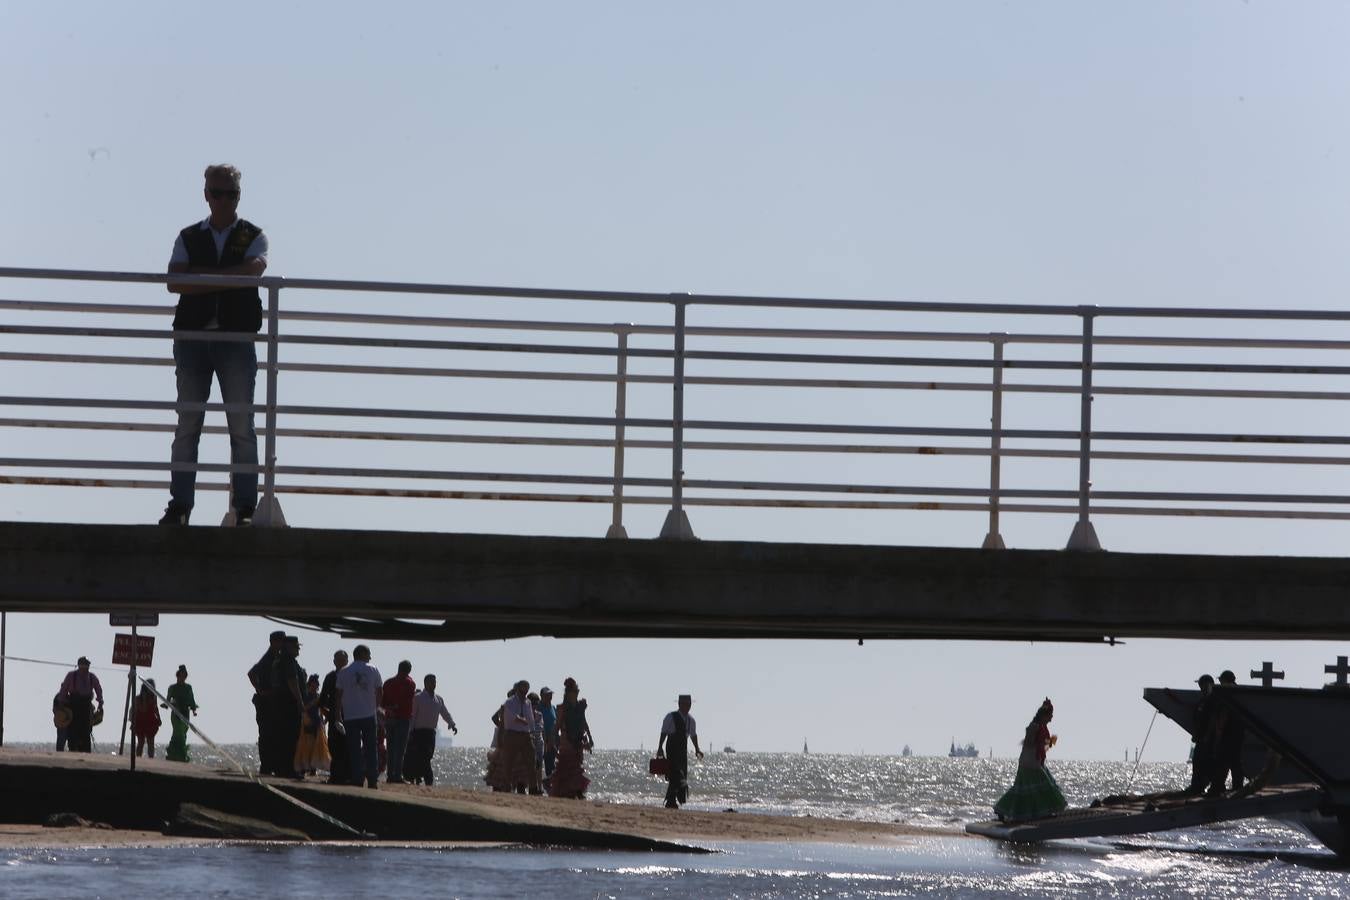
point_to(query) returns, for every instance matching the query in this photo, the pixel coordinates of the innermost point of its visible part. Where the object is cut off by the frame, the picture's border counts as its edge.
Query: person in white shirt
(517, 722)
(428, 709)
(677, 729)
(359, 695)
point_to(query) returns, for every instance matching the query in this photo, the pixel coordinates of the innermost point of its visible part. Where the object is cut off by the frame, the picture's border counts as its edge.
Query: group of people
(1217, 732)
(537, 747)
(1218, 737)
(75, 714)
(353, 724)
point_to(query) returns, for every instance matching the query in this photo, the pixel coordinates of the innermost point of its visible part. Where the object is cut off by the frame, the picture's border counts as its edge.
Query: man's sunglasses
(221, 194)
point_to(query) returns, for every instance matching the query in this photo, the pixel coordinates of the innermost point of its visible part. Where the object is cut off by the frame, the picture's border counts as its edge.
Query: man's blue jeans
(235, 365)
(396, 733)
(362, 751)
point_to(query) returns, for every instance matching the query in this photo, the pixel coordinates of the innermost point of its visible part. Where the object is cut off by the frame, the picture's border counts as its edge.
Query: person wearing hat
(260, 676)
(677, 729)
(288, 704)
(1228, 737)
(549, 718)
(78, 691)
(1202, 754)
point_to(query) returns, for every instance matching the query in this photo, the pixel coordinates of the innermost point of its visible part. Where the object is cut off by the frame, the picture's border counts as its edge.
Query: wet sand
(530, 818)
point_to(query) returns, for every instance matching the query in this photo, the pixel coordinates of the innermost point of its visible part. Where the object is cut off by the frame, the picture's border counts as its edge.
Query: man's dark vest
(677, 746)
(235, 309)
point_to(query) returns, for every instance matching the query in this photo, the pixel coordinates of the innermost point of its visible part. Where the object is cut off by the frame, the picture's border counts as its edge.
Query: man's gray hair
(223, 170)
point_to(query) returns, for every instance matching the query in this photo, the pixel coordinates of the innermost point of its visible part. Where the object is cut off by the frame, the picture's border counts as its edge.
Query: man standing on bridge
(220, 244)
(677, 729)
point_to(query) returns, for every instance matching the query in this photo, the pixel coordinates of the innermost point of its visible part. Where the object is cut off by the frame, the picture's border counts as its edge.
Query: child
(311, 750)
(145, 720)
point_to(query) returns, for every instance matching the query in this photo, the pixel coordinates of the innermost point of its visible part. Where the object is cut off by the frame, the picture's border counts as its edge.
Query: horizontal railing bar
(748, 446)
(710, 331)
(690, 484)
(707, 425)
(700, 501)
(238, 337)
(1160, 312)
(655, 353)
(729, 381)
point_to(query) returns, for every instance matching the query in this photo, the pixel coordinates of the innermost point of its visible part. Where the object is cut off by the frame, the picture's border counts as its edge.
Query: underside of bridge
(467, 587)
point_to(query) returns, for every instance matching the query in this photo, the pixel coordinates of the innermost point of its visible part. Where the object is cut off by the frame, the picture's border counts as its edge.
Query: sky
(1150, 154)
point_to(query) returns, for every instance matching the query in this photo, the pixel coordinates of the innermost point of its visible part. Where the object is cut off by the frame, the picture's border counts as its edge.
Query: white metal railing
(742, 356)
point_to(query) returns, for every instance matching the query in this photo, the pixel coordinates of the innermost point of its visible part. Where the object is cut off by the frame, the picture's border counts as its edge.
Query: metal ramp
(1157, 812)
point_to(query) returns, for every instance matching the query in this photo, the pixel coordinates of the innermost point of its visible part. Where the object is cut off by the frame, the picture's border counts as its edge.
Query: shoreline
(43, 783)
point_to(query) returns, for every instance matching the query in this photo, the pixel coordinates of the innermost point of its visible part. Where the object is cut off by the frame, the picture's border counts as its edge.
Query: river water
(1246, 859)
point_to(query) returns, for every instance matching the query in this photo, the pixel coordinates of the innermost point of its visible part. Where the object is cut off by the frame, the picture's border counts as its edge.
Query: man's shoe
(243, 518)
(175, 514)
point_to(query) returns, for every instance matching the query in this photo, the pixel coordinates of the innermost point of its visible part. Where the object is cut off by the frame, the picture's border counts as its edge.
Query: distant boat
(804, 750)
(907, 751)
(966, 752)
(728, 749)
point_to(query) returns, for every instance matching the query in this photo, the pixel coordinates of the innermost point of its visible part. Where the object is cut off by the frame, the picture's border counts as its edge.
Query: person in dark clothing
(260, 676)
(339, 769)
(676, 731)
(221, 244)
(1228, 737)
(78, 691)
(1202, 756)
(288, 707)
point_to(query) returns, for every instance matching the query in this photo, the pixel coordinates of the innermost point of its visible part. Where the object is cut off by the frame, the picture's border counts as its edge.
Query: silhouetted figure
(78, 692)
(677, 730)
(1228, 737)
(339, 769)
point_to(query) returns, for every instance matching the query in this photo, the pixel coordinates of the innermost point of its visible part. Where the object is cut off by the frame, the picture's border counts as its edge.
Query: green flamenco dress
(182, 703)
(1034, 793)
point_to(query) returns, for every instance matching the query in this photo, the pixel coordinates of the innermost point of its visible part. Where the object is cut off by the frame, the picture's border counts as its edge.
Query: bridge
(750, 413)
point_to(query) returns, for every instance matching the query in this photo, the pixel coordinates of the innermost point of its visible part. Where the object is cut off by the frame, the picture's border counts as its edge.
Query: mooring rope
(251, 774)
(1139, 754)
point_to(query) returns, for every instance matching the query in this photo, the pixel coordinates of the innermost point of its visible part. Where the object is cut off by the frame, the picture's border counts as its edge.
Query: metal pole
(677, 525)
(131, 690)
(616, 529)
(126, 715)
(269, 513)
(993, 540)
(1084, 536)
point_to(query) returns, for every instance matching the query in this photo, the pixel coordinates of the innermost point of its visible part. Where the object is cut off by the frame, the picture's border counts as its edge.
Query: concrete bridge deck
(456, 587)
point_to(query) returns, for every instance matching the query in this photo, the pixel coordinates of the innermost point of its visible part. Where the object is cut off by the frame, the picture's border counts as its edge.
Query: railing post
(616, 529)
(676, 526)
(993, 540)
(269, 511)
(1084, 536)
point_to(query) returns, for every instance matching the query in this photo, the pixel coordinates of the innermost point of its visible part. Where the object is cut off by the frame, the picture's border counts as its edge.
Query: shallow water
(1229, 860)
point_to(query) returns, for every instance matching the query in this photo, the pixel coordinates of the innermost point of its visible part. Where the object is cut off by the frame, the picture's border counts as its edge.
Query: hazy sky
(1147, 153)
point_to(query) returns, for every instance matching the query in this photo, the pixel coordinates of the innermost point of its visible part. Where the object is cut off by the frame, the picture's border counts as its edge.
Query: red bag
(658, 765)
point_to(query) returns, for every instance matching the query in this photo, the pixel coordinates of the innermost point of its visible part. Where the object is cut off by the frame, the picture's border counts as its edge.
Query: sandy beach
(651, 821)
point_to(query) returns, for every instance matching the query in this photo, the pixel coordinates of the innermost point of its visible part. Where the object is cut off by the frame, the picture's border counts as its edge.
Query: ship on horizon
(966, 752)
